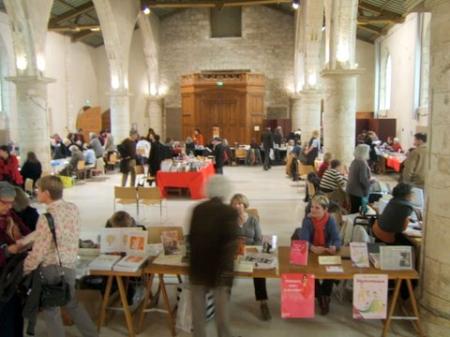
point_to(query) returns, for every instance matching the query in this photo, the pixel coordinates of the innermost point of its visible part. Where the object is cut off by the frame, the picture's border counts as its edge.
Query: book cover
(370, 296)
(269, 243)
(359, 254)
(327, 260)
(136, 242)
(171, 242)
(130, 263)
(113, 240)
(297, 295)
(299, 252)
(396, 258)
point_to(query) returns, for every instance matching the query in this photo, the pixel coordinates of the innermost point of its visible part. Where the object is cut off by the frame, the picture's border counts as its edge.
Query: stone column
(154, 110)
(306, 101)
(29, 21)
(340, 80)
(117, 20)
(340, 113)
(435, 283)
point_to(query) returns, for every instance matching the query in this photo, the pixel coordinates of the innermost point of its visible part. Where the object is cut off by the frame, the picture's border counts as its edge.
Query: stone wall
(266, 46)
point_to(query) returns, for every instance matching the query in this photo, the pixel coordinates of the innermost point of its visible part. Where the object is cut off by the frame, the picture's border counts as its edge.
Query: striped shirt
(332, 180)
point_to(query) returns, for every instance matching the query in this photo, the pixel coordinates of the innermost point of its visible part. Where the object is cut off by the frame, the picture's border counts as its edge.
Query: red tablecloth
(394, 163)
(194, 181)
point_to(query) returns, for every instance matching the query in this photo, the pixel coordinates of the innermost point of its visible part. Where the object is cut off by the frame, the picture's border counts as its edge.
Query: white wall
(401, 44)
(72, 65)
(365, 57)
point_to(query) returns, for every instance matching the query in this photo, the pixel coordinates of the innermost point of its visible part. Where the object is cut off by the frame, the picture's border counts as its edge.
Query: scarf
(319, 230)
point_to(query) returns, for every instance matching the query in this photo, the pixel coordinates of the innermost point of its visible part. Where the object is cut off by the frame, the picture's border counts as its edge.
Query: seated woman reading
(250, 231)
(321, 231)
(395, 217)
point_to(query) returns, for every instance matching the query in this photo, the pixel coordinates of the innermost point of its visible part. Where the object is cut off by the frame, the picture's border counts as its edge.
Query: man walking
(127, 150)
(267, 141)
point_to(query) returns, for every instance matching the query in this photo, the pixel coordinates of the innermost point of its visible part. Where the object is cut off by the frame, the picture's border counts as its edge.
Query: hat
(7, 190)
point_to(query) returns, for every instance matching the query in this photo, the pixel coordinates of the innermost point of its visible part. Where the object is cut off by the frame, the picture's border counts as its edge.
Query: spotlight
(295, 4)
(146, 10)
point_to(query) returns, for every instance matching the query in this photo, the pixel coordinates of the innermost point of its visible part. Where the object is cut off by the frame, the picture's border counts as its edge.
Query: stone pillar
(29, 21)
(154, 110)
(117, 21)
(340, 80)
(340, 113)
(306, 102)
(435, 300)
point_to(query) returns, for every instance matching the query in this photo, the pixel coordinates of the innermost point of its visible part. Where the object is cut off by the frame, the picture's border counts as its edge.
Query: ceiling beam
(363, 20)
(365, 39)
(73, 13)
(82, 35)
(74, 28)
(375, 9)
(371, 29)
(209, 3)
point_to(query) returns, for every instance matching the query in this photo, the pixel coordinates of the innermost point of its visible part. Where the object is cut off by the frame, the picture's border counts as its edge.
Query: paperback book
(359, 254)
(370, 296)
(396, 258)
(299, 252)
(297, 295)
(104, 262)
(171, 242)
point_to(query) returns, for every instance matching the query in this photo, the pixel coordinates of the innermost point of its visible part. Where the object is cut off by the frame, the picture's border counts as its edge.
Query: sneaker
(265, 312)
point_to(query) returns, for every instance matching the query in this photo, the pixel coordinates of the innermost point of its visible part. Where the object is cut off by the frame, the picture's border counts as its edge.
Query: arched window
(386, 102)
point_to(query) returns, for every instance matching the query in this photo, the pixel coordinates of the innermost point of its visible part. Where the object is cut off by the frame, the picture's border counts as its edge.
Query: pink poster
(299, 252)
(297, 296)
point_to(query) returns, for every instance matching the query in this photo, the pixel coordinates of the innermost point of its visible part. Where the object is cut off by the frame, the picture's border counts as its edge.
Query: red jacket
(9, 170)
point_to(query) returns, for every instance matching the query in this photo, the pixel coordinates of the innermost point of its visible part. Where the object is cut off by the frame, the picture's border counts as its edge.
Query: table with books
(344, 269)
(194, 181)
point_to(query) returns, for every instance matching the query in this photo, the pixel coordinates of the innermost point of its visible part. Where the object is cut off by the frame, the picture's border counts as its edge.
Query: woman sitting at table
(321, 231)
(395, 217)
(325, 164)
(250, 231)
(333, 179)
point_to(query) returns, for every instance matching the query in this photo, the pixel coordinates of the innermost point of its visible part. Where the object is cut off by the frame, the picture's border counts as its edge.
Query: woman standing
(250, 231)
(320, 230)
(9, 167)
(32, 168)
(359, 178)
(11, 230)
(313, 148)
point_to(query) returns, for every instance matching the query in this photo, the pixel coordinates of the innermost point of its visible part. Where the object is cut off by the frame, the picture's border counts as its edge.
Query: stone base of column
(32, 117)
(339, 122)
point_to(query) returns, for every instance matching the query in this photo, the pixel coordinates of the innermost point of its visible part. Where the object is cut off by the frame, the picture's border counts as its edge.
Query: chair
(240, 155)
(112, 160)
(99, 167)
(253, 212)
(311, 189)
(149, 196)
(81, 169)
(303, 169)
(125, 196)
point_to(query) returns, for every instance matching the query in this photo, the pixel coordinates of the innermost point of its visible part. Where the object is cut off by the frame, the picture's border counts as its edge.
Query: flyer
(370, 296)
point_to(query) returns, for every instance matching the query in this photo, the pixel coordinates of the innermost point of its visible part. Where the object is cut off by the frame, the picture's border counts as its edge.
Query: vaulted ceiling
(78, 18)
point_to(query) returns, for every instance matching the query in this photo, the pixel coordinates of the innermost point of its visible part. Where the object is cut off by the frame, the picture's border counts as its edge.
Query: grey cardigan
(251, 231)
(358, 178)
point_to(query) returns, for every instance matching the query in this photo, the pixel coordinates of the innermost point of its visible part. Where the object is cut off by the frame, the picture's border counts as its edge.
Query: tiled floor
(279, 202)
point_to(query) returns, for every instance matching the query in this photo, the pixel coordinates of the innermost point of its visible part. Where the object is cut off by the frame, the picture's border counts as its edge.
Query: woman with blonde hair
(250, 232)
(325, 164)
(313, 148)
(359, 178)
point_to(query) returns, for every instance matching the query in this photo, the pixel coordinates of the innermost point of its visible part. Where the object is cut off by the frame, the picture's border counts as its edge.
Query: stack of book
(104, 262)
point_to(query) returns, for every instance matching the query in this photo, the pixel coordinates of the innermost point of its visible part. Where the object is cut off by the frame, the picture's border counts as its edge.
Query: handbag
(54, 295)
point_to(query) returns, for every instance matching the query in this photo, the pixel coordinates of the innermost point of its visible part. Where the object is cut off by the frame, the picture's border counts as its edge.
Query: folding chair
(125, 196)
(149, 196)
(240, 155)
(303, 169)
(81, 169)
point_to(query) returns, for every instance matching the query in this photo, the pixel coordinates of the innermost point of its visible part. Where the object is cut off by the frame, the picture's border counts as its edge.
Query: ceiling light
(295, 4)
(95, 29)
(146, 10)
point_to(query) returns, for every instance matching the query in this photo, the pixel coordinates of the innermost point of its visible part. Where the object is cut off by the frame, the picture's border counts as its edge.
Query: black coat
(219, 155)
(267, 139)
(157, 154)
(213, 243)
(31, 171)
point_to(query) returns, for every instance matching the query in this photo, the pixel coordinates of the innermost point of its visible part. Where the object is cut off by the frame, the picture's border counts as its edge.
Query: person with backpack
(12, 229)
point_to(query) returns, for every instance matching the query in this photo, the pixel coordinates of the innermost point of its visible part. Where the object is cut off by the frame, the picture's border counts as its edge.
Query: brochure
(359, 254)
(370, 296)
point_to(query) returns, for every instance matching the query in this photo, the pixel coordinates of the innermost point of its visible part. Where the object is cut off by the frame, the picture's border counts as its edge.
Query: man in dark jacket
(127, 151)
(267, 141)
(219, 155)
(157, 154)
(213, 246)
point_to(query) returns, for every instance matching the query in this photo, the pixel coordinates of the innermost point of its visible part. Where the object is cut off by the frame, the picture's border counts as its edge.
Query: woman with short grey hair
(359, 178)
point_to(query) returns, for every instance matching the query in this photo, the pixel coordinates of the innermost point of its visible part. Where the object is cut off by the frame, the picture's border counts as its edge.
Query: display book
(257, 257)
(299, 254)
(173, 253)
(370, 296)
(393, 258)
(116, 242)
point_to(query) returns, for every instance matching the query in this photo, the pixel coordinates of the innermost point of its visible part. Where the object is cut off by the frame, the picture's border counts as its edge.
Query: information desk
(399, 276)
(194, 181)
